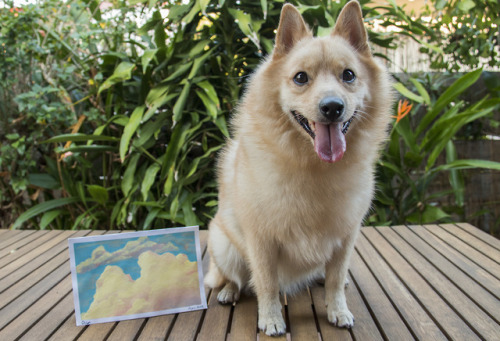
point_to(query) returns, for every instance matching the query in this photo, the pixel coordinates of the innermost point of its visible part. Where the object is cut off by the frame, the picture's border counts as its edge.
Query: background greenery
(112, 113)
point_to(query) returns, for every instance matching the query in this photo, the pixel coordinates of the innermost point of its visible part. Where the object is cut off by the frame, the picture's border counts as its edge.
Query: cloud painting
(132, 274)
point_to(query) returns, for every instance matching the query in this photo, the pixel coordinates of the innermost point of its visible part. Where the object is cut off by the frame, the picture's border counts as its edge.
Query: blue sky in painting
(184, 241)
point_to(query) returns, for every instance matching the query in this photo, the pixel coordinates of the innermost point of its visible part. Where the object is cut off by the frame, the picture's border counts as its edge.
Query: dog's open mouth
(329, 139)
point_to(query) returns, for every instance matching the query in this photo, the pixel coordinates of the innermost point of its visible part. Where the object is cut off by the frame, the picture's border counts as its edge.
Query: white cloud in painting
(131, 250)
(166, 282)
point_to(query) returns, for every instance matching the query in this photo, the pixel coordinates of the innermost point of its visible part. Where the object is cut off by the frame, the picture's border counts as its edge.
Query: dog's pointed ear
(350, 26)
(291, 29)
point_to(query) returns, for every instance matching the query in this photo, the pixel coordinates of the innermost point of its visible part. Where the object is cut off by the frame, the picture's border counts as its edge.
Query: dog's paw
(229, 294)
(273, 325)
(341, 318)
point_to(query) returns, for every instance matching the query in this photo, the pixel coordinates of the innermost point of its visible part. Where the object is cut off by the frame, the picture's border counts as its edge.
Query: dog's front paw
(341, 318)
(272, 325)
(229, 294)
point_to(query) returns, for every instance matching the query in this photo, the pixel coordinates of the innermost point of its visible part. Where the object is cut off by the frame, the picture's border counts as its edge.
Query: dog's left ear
(291, 29)
(350, 26)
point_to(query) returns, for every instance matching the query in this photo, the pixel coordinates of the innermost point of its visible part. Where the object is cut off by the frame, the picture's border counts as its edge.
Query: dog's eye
(348, 76)
(301, 78)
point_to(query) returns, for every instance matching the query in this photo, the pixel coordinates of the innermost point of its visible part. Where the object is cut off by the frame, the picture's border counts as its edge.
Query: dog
(297, 178)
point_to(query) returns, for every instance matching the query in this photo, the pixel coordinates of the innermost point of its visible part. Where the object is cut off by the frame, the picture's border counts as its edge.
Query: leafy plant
(467, 32)
(119, 124)
(409, 165)
(156, 100)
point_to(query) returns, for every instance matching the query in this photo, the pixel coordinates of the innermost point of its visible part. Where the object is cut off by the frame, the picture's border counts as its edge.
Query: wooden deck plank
(34, 311)
(471, 288)
(244, 322)
(28, 248)
(477, 257)
(30, 297)
(301, 317)
(400, 277)
(156, 328)
(19, 244)
(96, 332)
(13, 236)
(50, 321)
(126, 330)
(36, 249)
(488, 239)
(391, 325)
(476, 318)
(417, 319)
(68, 330)
(442, 313)
(31, 278)
(478, 274)
(365, 328)
(476, 243)
(186, 326)
(216, 321)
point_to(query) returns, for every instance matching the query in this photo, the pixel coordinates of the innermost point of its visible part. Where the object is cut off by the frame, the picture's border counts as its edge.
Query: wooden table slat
(477, 257)
(13, 236)
(476, 243)
(469, 311)
(301, 317)
(478, 274)
(486, 238)
(12, 249)
(427, 282)
(441, 312)
(156, 328)
(391, 324)
(415, 316)
(471, 288)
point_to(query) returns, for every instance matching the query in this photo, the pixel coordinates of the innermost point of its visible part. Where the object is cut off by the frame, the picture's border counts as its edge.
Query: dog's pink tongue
(329, 142)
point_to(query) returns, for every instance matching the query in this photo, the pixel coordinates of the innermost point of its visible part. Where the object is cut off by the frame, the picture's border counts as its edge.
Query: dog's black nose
(332, 108)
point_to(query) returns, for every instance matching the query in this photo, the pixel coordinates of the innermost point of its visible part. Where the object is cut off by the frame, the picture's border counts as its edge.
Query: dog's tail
(214, 278)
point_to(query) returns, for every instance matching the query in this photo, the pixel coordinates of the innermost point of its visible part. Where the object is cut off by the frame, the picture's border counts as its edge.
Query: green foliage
(467, 31)
(409, 165)
(112, 124)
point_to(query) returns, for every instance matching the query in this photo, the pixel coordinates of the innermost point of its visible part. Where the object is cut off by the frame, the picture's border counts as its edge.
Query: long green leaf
(79, 138)
(149, 179)
(49, 217)
(129, 174)
(467, 164)
(407, 93)
(90, 149)
(122, 73)
(456, 179)
(458, 87)
(42, 208)
(421, 90)
(130, 128)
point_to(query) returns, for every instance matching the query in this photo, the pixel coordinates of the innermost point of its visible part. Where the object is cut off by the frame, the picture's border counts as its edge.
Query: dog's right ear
(291, 29)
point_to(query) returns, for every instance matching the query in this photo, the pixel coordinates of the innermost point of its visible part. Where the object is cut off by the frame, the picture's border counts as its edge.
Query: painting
(136, 274)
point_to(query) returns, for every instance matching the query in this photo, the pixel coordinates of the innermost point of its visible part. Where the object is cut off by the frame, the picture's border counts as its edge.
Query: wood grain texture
(429, 282)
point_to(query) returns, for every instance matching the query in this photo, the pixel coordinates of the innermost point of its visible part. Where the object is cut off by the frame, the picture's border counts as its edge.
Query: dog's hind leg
(227, 266)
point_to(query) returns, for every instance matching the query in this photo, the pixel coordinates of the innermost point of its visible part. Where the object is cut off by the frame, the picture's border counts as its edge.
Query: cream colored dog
(298, 176)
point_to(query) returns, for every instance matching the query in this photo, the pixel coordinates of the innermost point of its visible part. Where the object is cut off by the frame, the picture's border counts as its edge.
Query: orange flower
(404, 108)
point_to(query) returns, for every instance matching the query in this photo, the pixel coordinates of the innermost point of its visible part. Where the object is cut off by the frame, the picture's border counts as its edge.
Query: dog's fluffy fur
(293, 195)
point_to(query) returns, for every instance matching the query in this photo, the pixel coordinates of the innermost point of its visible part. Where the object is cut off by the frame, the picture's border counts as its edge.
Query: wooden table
(420, 282)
